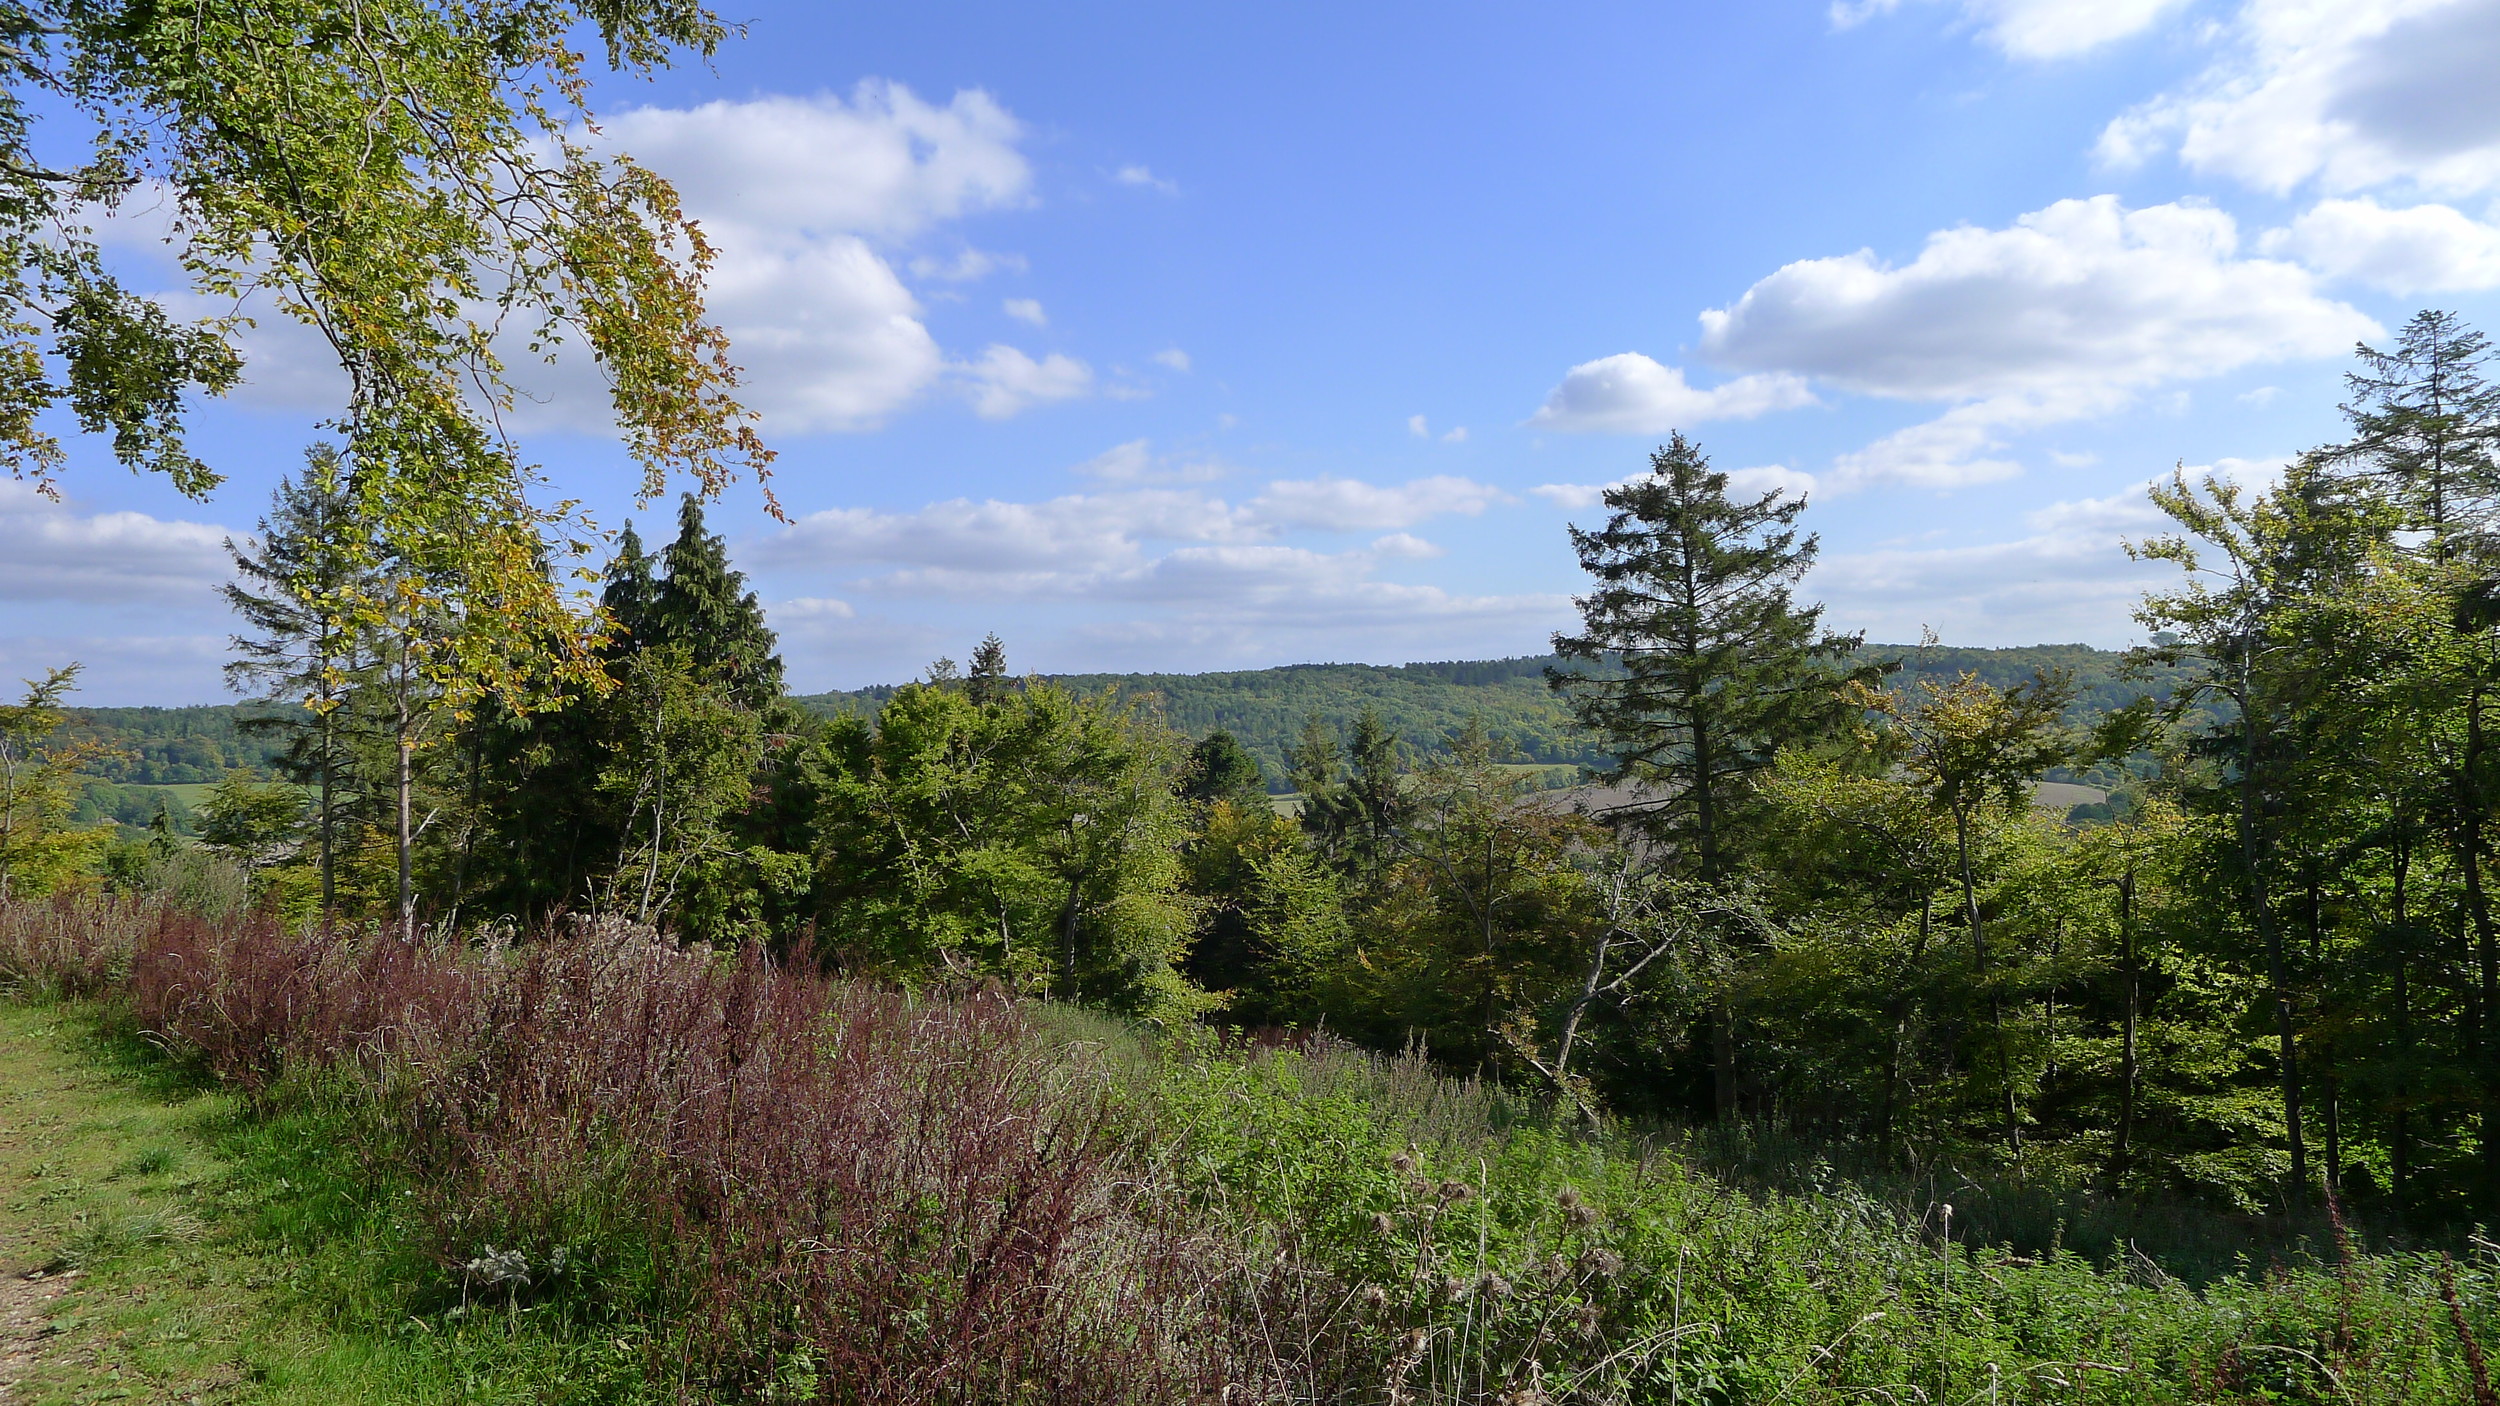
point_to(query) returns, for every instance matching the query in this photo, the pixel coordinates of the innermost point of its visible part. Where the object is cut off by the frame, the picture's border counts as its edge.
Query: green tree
(257, 823)
(2426, 431)
(1971, 749)
(39, 850)
(703, 607)
(297, 587)
(1719, 666)
(987, 683)
(415, 181)
(1221, 769)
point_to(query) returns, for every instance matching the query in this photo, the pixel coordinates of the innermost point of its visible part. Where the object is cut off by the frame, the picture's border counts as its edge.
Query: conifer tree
(1221, 769)
(988, 681)
(1720, 666)
(631, 591)
(2426, 430)
(294, 590)
(704, 606)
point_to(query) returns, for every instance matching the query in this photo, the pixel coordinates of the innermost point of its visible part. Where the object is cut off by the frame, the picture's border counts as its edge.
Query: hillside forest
(1804, 888)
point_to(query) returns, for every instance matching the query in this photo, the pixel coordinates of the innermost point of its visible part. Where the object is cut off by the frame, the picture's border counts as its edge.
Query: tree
(258, 824)
(987, 683)
(1719, 666)
(2426, 431)
(297, 585)
(38, 849)
(703, 607)
(2249, 561)
(1221, 769)
(1972, 748)
(416, 181)
(630, 594)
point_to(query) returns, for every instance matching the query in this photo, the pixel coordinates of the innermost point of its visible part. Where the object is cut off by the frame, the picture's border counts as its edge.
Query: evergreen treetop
(1721, 666)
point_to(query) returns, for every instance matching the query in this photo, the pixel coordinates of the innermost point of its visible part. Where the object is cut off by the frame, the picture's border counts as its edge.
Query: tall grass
(794, 1188)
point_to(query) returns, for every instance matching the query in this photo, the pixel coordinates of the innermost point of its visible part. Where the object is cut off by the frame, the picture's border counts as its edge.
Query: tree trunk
(2486, 952)
(407, 836)
(2400, 1132)
(2269, 934)
(2124, 1149)
(329, 819)
(1067, 941)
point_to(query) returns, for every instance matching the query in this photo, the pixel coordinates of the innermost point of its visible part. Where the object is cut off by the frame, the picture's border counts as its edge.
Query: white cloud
(2070, 312)
(1457, 435)
(1406, 546)
(1006, 381)
(1026, 310)
(2034, 29)
(812, 608)
(2351, 94)
(885, 163)
(2068, 579)
(1141, 176)
(1417, 426)
(1345, 505)
(54, 553)
(966, 266)
(2419, 249)
(807, 203)
(1630, 394)
(1760, 479)
(2074, 301)
(1173, 358)
(1136, 462)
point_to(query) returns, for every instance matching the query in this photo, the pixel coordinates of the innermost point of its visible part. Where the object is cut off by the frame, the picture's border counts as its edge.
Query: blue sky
(1192, 337)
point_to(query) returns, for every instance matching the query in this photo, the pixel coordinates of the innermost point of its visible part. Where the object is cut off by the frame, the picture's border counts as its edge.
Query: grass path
(157, 1247)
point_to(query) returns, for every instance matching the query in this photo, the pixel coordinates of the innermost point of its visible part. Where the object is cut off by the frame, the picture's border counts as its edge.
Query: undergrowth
(689, 1176)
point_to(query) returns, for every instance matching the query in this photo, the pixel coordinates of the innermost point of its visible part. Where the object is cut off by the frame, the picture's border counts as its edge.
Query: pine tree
(1221, 769)
(704, 606)
(1720, 666)
(295, 588)
(988, 681)
(2426, 430)
(631, 592)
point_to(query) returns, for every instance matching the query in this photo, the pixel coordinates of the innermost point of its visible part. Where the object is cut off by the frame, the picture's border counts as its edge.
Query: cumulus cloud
(1172, 358)
(885, 163)
(2068, 578)
(1006, 381)
(2069, 312)
(54, 553)
(2352, 95)
(1091, 537)
(2418, 249)
(2035, 29)
(1026, 310)
(809, 203)
(1628, 393)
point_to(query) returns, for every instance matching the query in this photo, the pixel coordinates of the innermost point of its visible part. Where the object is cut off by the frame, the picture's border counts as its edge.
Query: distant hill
(1424, 703)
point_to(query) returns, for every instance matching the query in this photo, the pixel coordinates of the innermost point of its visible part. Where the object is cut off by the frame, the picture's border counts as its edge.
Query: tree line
(1809, 888)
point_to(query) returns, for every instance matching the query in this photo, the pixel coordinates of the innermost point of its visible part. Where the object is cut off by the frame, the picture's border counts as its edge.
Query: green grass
(217, 1258)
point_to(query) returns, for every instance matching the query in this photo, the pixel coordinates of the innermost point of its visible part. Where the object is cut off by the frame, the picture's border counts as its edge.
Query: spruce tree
(704, 606)
(2426, 430)
(294, 590)
(631, 592)
(1221, 769)
(1720, 667)
(988, 681)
